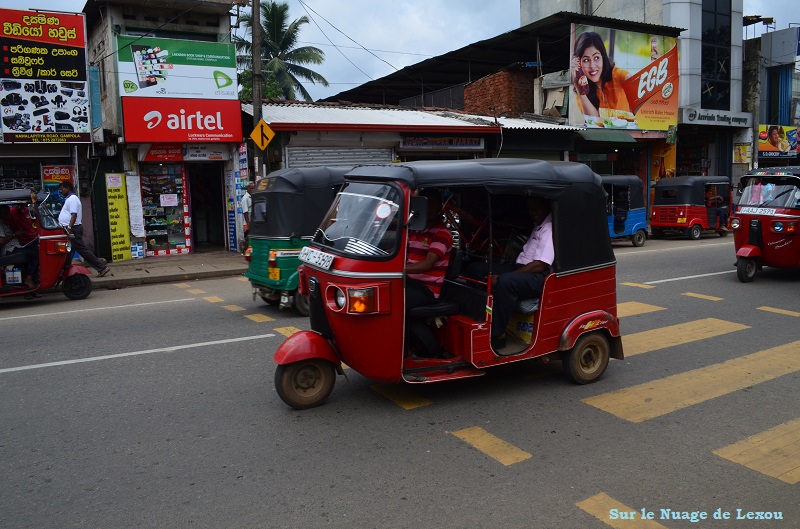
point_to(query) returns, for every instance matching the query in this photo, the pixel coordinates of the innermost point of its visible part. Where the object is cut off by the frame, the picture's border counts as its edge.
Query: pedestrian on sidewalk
(246, 205)
(71, 217)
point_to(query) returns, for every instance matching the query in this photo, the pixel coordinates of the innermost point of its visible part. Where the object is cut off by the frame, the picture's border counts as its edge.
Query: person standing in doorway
(246, 205)
(71, 217)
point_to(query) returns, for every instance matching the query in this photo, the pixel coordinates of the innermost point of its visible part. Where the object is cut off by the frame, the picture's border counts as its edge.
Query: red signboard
(164, 152)
(157, 120)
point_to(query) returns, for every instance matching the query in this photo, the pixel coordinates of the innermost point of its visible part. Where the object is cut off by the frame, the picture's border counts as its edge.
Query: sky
(404, 32)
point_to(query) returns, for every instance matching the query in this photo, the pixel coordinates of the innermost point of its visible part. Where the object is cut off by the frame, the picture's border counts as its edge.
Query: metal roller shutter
(316, 156)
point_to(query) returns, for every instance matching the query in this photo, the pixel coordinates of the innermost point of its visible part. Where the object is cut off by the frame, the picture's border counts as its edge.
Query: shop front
(707, 142)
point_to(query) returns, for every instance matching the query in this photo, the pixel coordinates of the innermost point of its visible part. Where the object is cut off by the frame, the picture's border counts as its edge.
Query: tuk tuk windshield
(764, 193)
(363, 220)
(46, 218)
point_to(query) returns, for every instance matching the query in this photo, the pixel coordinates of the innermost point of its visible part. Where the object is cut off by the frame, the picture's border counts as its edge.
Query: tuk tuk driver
(524, 279)
(428, 255)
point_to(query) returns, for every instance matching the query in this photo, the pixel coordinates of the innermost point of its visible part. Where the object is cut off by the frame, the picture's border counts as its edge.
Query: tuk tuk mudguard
(749, 251)
(306, 345)
(77, 269)
(598, 320)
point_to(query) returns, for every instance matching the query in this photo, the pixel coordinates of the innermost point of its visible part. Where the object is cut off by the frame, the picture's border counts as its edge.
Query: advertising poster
(623, 80)
(118, 217)
(52, 176)
(149, 120)
(167, 68)
(45, 95)
(135, 210)
(777, 141)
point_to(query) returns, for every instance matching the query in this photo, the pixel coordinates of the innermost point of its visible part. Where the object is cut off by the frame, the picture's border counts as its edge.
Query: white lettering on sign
(184, 121)
(653, 78)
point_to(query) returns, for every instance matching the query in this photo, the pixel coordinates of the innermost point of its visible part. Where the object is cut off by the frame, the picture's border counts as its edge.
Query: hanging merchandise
(165, 209)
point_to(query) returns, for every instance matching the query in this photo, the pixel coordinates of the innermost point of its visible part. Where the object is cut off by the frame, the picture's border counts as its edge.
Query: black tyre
(270, 301)
(300, 303)
(746, 269)
(78, 286)
(305, 384)
(639, 238)
(658, 233)
(587, 360)
(695, 232)
(723, 233)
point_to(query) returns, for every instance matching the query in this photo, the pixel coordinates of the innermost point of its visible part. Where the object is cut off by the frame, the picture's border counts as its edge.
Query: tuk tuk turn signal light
(361, 300)
(273, 259)
(58, 247)
(248, 253)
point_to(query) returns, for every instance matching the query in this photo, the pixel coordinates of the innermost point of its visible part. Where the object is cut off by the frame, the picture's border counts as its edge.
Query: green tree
(282, 62)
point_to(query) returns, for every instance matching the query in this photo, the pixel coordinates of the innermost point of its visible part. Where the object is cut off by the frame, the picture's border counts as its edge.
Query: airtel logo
(184, 121)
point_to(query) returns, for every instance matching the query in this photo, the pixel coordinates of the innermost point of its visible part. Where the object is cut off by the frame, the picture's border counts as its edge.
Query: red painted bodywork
(679, 217)
(778, 249)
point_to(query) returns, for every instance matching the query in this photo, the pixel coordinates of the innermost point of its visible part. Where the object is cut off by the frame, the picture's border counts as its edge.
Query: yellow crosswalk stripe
(182, 285)
(259, 318)
(780, 311)
(492, 446)
(683, 333)
(196, 291)
(213, 299)
(702, 296)
(775, 452)
(287, 331)
(401, 395)
(665, 395)
(616, 514)
(243, 279)
(637, 285)
(234, 308)
(634, 308)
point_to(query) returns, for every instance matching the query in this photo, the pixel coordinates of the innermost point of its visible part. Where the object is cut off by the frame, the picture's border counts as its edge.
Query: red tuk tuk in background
(54, 253)
(353, 274)
(766, 223)
(690, 205)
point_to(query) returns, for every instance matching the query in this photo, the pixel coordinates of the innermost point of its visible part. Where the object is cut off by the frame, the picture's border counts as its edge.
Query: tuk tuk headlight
(339, 298)
(777, 226)
(735, 223)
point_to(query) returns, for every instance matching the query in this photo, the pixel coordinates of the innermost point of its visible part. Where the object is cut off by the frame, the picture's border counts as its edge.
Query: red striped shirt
(437, 240)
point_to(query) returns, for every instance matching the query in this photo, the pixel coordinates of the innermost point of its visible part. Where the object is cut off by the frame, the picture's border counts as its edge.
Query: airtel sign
(151, 120)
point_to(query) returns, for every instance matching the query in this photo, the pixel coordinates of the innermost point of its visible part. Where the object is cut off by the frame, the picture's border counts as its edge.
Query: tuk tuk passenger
(428, 255)
(10, 244)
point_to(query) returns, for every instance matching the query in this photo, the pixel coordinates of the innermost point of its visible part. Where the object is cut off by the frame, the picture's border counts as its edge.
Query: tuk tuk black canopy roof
(580, 227)
(15, 196)
(292, 202)
(688, 189)
(790, 172)
(636, 193)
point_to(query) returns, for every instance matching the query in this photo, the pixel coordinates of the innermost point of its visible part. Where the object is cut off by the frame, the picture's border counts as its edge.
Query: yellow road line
(213, 299)
(401, 395)
(287, 331)
(259, 318)
(634, 308)
(665, 395)
(234, 308)
(243, 279)
(702, 296)
(492, 446)
(780, 311)
(196, 291)
(775, 452)
(182, 285)
(683, 333)
(616, 514)
(637, 285)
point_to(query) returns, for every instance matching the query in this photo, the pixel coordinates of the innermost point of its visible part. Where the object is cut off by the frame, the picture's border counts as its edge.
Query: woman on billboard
(596, 80)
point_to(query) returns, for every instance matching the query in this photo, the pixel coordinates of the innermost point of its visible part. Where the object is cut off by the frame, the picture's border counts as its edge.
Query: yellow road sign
(262, 134)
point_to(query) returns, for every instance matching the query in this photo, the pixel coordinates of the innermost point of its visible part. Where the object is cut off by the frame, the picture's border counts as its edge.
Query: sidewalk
(171, 268)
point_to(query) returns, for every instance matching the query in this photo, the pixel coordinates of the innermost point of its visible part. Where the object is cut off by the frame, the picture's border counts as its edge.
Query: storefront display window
(164, 205)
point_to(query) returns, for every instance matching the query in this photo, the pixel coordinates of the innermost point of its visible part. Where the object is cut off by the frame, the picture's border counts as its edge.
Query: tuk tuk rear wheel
(658, 233)
(639, 238)
(746, 269)
(588, 359)
(305, 384)
(270, 301)
(695, 231)
(300, 303)
(77, 286)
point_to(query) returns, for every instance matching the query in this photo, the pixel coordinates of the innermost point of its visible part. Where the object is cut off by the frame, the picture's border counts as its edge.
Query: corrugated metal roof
(299, 116)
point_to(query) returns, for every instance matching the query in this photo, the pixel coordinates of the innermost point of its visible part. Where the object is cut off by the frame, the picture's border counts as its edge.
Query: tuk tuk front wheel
(300, 303)
(695, 232)
(587, 360)
(638, 239)
(305, 384)
(746, 269)
(77, 286)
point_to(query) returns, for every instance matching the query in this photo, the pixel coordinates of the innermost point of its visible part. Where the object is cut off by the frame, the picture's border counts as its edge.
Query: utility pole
(256, 28)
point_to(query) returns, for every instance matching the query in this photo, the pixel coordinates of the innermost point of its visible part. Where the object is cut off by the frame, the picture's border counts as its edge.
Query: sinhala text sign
(623, 80)
(44, 96)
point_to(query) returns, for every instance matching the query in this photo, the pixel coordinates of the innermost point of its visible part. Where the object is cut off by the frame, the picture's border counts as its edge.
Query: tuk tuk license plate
(275, 274)
(315, 257)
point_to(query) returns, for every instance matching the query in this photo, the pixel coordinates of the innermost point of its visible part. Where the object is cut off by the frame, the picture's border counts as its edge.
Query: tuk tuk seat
(442, 306)
(15, 259)
(528, 306)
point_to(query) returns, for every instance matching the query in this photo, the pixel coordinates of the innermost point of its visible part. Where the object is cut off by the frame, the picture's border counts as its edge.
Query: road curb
(112, 283)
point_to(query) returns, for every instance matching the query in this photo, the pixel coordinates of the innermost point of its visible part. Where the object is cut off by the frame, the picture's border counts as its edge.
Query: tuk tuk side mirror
(418, 215)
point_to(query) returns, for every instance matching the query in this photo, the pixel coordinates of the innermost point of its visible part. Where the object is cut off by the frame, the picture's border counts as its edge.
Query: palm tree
(282, 62)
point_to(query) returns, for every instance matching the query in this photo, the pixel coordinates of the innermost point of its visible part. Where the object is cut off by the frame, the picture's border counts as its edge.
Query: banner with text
(118, 217)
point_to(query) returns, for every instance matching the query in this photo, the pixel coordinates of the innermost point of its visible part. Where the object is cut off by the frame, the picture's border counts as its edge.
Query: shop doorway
(207, 199)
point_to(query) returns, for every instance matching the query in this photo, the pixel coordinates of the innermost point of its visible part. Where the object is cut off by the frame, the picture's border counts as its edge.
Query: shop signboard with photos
(623, 80)
(44, 95)
(777, 141)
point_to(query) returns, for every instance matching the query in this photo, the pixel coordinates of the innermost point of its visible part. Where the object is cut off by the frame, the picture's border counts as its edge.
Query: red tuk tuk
(766, 223)
(353, 274)
(690, 205)
(53, 249)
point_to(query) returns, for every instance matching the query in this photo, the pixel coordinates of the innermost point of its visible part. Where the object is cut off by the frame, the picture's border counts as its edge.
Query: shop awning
(616, 136)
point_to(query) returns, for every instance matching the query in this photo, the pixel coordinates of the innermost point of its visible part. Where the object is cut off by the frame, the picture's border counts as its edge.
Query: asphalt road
(154, 406)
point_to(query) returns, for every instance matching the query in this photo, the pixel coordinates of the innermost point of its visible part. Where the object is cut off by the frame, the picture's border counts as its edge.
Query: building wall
(509, 93)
